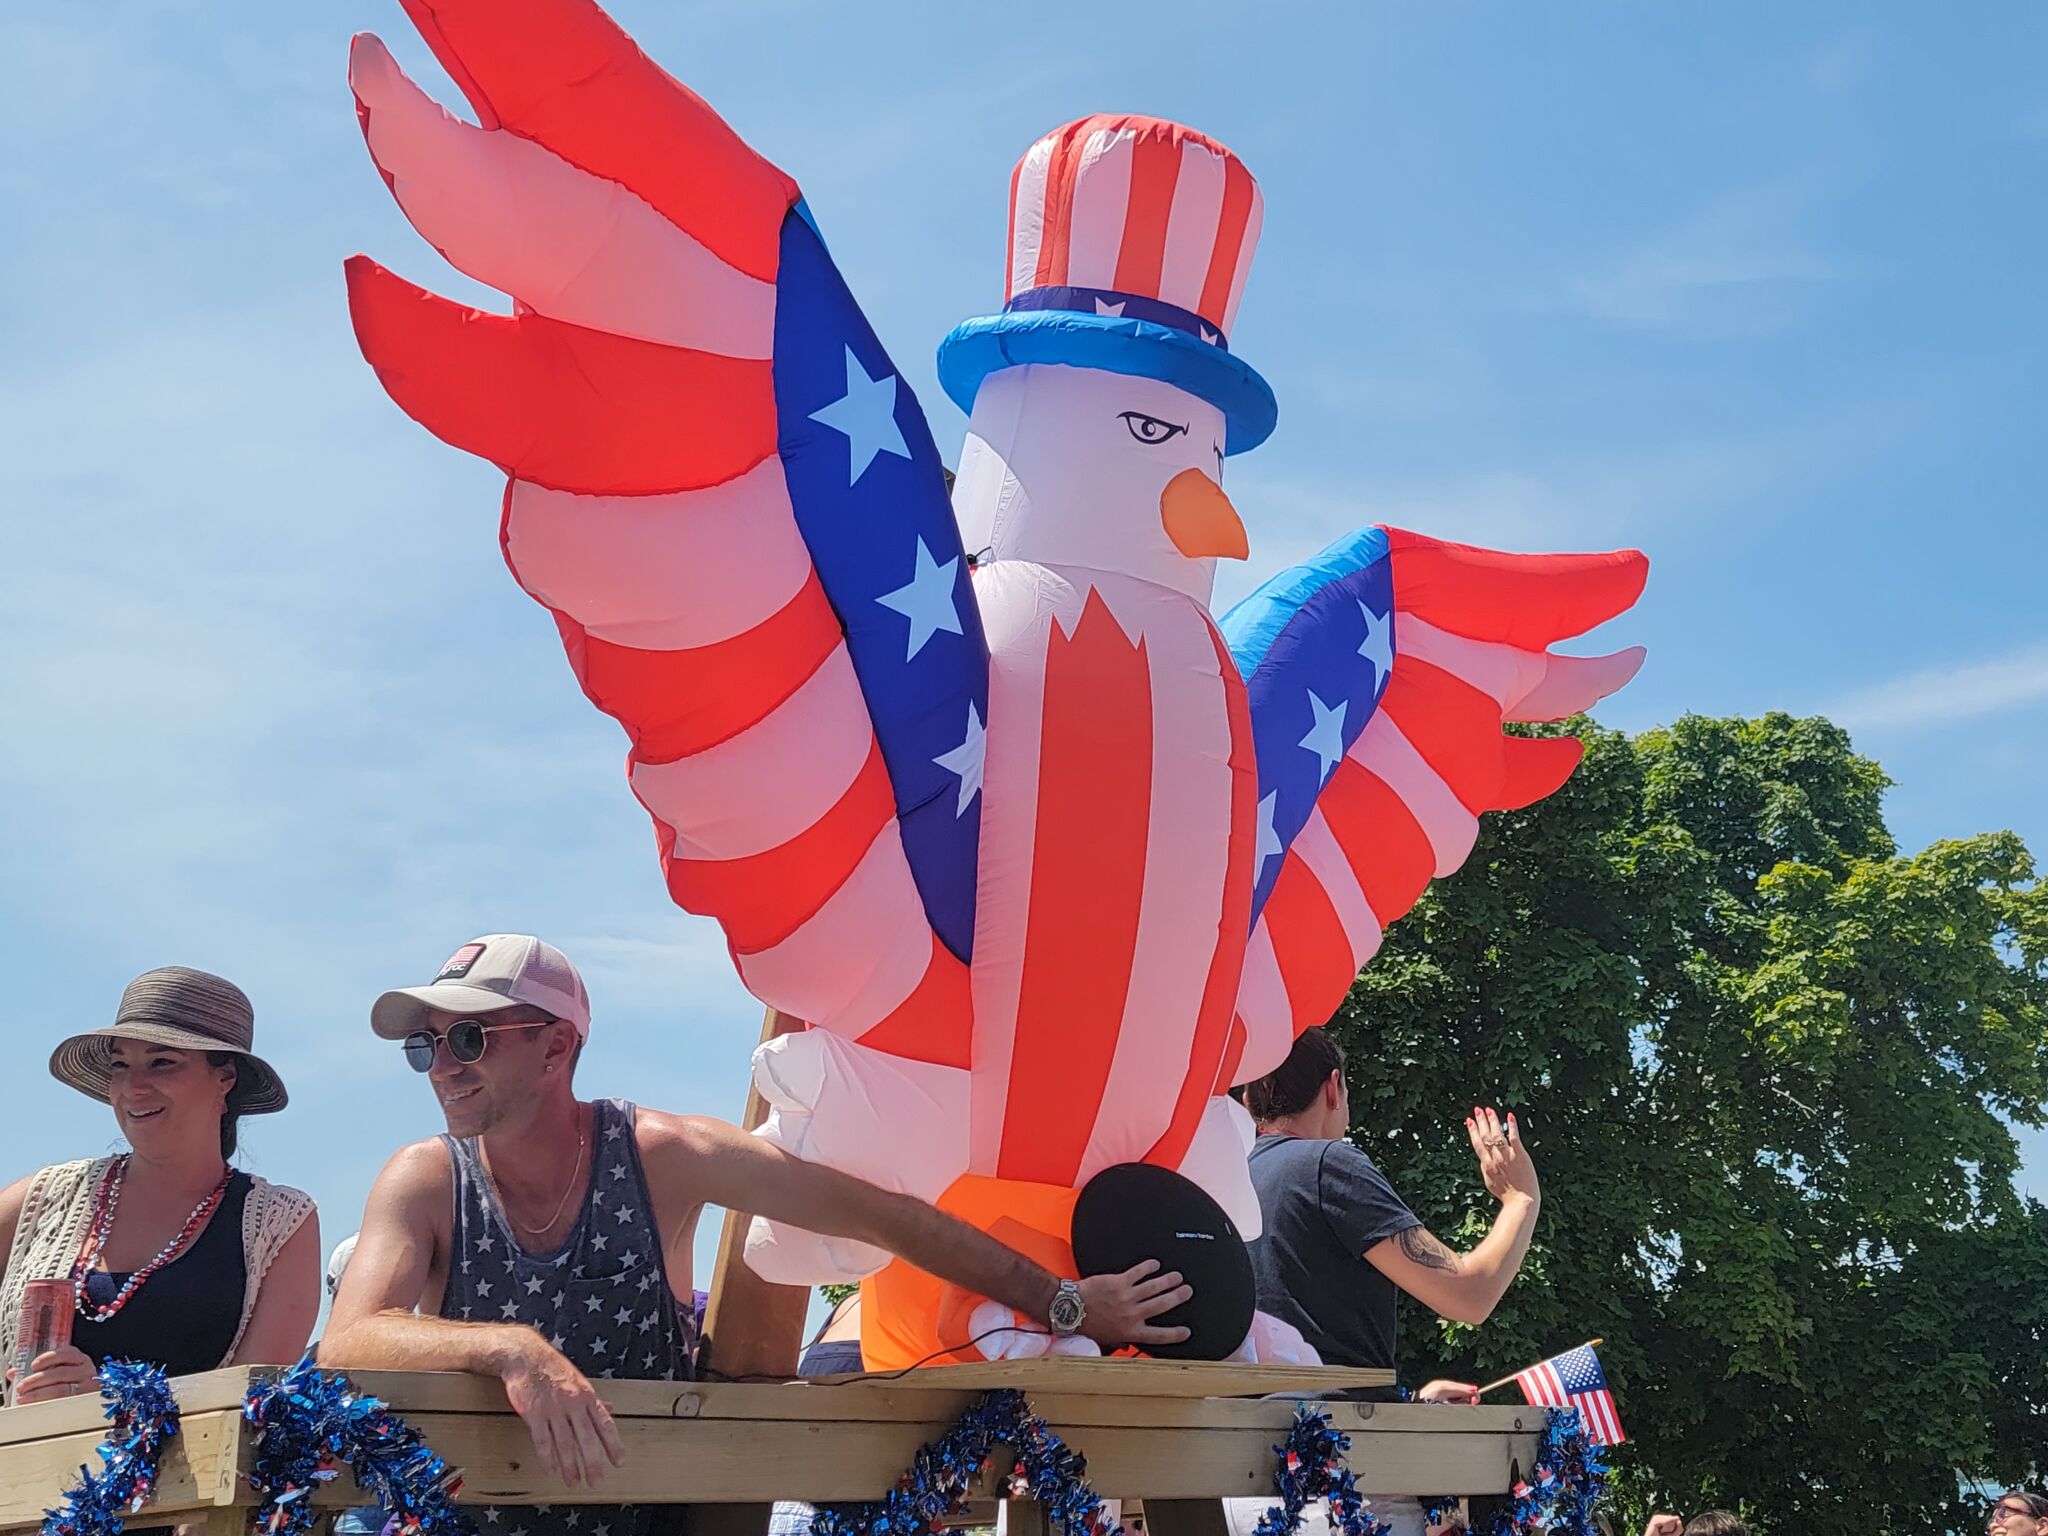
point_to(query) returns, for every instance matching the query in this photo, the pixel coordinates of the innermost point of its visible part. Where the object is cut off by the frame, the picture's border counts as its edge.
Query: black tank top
(185, 1316)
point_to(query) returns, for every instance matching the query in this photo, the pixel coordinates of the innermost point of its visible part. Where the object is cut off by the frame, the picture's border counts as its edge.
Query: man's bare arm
(745, 1173)
(373, 1326)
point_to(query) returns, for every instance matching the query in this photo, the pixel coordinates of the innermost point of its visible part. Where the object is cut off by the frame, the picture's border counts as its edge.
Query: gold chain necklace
(574, 1174)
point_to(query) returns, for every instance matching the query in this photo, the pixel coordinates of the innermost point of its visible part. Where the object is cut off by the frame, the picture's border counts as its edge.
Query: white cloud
(1938, 695)
(1737, 265)
(1844, 62)
(1589, 499)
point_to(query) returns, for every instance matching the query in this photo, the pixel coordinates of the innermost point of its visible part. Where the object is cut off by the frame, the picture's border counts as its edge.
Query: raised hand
(1503, 1161)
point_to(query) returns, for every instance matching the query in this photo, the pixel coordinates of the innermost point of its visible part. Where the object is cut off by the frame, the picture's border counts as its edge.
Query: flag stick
(1507, 1381)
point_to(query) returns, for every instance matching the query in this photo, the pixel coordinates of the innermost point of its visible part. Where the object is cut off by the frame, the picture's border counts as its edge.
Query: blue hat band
(1128, 306)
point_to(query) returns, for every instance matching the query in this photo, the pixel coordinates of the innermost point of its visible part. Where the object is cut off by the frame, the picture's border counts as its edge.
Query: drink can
(46, 1308)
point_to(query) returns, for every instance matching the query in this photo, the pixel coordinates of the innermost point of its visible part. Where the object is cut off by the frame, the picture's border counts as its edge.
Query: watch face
(1067, 1312)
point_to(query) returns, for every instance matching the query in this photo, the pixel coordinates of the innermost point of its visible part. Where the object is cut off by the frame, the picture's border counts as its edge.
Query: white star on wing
(1269, 841)
(967, 759)
(1378, 645)
(928, 599)
(1326, 737)
(866, 414)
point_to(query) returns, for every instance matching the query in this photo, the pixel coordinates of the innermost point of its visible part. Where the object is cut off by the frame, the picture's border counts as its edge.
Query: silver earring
(551, 1066)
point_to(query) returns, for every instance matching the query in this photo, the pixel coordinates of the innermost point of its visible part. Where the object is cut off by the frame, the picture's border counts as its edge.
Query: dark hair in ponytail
(1293, 1085)
(231, 1118)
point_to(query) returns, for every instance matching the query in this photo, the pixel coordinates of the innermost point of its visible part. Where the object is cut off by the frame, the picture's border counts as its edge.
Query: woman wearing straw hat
(173, 1255)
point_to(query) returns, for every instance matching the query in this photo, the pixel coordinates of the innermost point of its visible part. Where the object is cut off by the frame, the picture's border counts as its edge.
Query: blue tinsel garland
(312, 1424)
(936, 1484)
(1309, 1465)
(1559, 1495)
(144, 1415)
(1564, 1487)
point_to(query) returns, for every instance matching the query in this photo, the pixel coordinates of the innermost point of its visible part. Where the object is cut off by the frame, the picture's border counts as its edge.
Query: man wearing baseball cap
(545, 1239)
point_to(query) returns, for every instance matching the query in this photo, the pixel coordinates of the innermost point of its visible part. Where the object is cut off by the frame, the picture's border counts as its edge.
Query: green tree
(1765, 1064)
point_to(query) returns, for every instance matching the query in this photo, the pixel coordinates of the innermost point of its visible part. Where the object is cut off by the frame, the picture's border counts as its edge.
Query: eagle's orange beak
(1200, 519)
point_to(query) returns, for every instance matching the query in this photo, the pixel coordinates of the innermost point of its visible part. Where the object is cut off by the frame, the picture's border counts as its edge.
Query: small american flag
(1574, 1380)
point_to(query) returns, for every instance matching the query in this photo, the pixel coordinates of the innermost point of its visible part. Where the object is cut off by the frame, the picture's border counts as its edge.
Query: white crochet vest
(58, 1206)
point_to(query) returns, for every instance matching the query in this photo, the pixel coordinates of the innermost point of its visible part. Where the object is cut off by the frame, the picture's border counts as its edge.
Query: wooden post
(751, 1326)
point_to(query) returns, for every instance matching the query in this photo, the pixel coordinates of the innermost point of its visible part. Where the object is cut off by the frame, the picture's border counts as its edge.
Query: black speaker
(1134, 1212)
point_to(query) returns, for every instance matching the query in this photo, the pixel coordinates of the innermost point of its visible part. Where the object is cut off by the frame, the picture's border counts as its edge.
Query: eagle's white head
(1081, 468)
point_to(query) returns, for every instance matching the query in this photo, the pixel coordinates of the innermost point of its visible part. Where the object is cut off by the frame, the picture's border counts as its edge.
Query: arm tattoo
(1424, 1249)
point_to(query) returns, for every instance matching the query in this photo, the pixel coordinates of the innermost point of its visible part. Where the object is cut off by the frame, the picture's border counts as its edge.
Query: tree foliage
(1765, 1064)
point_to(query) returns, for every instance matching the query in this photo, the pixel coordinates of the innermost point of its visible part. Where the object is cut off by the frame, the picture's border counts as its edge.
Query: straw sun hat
(187, 1010)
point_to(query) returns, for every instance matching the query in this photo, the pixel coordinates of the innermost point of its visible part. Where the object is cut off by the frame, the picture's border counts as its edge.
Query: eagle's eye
(1150, 429)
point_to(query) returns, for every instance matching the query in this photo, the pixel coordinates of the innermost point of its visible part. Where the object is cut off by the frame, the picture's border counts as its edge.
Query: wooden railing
(1178, 1436)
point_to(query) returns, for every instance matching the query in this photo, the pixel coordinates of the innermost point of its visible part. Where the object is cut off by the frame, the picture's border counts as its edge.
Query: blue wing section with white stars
(1316, 647)
(869, 493)
(1382, 675)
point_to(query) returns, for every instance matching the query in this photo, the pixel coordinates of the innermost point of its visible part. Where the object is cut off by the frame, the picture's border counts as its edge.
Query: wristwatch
(1066, 1314)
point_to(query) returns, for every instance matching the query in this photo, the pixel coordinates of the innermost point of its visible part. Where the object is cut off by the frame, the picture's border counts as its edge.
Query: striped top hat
(1130, 239)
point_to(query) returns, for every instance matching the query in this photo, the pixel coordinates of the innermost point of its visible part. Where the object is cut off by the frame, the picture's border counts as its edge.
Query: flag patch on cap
(458, 964)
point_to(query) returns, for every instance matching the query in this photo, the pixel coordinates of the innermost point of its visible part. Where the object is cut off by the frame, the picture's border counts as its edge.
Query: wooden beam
(197, 1472)
(741, 1446)
(752, 1327)
(741, 1462)
(1119, 1377)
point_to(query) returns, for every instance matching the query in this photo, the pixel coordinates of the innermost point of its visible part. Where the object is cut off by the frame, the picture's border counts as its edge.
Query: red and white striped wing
(1473, 629)
(630, 398)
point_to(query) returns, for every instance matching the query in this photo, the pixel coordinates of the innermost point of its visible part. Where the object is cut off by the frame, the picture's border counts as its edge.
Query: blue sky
(1755, 288)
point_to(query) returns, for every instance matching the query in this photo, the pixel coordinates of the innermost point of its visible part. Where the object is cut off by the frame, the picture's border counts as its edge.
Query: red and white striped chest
(1114, 882)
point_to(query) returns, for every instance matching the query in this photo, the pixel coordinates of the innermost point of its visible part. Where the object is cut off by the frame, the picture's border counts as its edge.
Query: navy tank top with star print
(602, 1298)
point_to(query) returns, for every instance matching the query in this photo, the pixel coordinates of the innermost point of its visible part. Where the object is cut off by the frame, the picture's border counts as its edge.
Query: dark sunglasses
(465, 1039)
